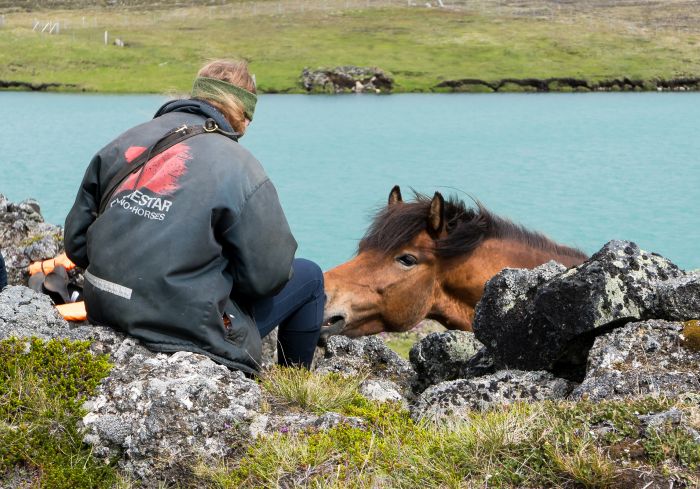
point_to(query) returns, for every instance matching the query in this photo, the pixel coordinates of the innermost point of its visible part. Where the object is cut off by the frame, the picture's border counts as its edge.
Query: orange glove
(73, 311)
(47, 266)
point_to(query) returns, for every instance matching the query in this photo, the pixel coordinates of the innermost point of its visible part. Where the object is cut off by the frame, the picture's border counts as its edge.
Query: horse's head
(390, 284)
(429, 258)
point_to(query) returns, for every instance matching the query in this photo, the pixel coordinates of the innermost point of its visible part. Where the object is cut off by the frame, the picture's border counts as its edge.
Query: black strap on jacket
(170, 139)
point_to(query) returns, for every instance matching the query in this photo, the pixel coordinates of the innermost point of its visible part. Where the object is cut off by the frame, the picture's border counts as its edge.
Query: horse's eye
(407, 260)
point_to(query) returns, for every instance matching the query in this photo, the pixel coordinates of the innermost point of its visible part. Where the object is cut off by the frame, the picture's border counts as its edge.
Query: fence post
(106, 38)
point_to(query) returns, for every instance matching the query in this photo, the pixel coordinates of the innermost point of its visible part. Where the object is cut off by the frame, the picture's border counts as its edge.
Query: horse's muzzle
(330, 328)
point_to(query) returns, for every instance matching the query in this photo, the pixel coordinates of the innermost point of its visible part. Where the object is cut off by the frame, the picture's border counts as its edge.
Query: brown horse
(429, 258)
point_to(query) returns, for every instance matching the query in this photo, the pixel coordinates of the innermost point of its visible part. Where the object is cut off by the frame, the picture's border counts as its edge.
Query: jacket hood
(196, 106)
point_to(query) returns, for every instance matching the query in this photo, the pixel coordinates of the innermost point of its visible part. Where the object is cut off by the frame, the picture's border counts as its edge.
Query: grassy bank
(421, 47)
(546, 444)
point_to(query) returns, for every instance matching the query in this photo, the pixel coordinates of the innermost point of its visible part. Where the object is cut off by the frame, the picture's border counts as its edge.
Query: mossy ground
(42, 387)
(419, 46)
(548, 444)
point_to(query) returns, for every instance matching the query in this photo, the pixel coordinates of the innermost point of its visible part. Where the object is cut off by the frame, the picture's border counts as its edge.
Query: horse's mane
(396, 225)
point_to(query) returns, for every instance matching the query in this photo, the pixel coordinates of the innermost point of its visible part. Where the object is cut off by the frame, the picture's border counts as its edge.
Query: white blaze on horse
(429, 258)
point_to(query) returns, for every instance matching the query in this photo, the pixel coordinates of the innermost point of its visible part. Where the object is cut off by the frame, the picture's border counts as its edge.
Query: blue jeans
(3, 273)
(298, 310)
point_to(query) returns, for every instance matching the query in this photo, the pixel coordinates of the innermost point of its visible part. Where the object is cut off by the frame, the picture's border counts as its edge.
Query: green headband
(212, 88)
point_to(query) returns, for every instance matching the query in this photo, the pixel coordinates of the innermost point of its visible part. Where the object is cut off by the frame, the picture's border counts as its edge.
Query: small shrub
(691, 335)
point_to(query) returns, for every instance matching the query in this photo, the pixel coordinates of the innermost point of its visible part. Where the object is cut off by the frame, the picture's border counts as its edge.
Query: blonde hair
(236, 73)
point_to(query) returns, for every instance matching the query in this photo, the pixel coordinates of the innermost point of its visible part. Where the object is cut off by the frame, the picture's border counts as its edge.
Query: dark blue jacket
(183, 243)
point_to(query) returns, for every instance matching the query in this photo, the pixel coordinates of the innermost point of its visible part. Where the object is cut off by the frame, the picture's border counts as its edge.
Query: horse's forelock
(396, 225)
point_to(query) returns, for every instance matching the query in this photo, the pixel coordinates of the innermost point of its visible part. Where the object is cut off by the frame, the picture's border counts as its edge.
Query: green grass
(302, 388)
(402, 343)
(42, 387)
(421, 47)
(548, 444)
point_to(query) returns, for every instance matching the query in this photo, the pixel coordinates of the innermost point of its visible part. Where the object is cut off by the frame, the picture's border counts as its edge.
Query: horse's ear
(436, 218)
(395, 195)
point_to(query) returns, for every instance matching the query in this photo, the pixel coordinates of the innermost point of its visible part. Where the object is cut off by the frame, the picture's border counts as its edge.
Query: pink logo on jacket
(160, 174)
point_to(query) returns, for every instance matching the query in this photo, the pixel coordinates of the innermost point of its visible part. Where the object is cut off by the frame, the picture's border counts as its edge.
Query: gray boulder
(528, 318)
(444, 356)
(641, 358)
(25, 313)
(25, 237)
(346, 79)
(382, 391)
(367, 355)
(268, 424)
(160, 413)
(679, 298)
(457, 397)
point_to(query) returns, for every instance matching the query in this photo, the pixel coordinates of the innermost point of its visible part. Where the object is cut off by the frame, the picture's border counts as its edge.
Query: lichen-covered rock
(382, 391)
(641, 358)
(269, 349)
(160, 413)
(366, 355)
(457, 397)
(443, 356)
(346, 79)
(25, 237)
(658, 423)
(25, 313)
(679, 298)
(267, 424)
(527, 318)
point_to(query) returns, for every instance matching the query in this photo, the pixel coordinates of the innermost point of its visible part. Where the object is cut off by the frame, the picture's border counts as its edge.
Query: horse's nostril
(333, 326)
(333, 319)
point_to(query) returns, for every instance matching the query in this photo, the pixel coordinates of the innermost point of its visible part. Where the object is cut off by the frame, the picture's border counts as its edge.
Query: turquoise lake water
(582, 168)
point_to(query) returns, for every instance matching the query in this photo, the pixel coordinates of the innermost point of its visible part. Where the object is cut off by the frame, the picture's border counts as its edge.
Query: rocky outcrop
(382, 391)
(25, 237)
(446, 356)
(368, 354)
(346, 79)
(34, 87)
(557, 84)
(457, 397)
(641, 358)
(529, 318)
(158, 413)
(267, 424)
(679, 298)
(25, 313)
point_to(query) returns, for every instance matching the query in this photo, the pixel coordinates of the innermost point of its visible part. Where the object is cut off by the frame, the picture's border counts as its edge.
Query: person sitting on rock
(192, 251)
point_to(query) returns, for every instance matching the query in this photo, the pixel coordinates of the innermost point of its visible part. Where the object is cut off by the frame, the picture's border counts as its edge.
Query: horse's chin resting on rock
(428, 259)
